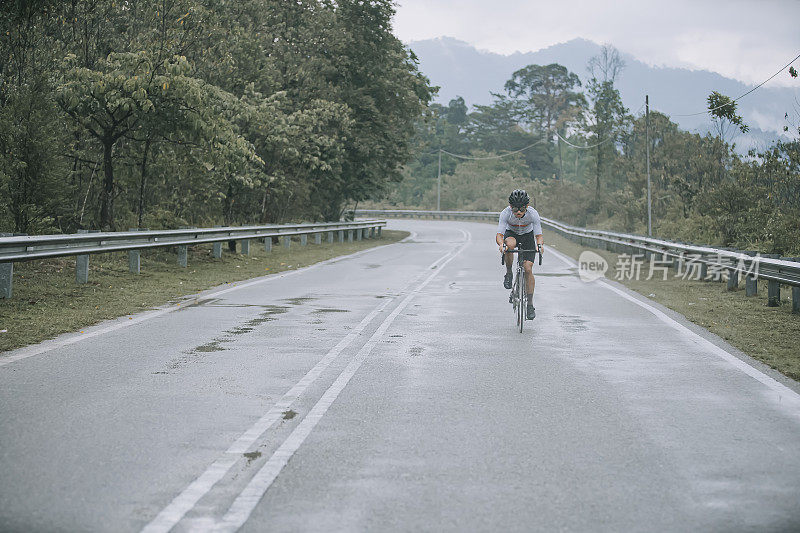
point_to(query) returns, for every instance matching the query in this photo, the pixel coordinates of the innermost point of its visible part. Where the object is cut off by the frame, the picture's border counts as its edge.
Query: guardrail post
(318, 238)
(268, 244)
(773, 293)
(82, 269)
(82, 265)
(349, 235)
(217, 250)
(303, 239)
(245, 246)
(733, 279)
(341, 235)
(379, 231)
(703, 271)
(183, 251)
(6, 275)
(183, 255)
(134, 258)
(134, 261)
(287, 241)
(795, 299)
(372, 232)
(330, 237)
(750, 285)
(358, 234)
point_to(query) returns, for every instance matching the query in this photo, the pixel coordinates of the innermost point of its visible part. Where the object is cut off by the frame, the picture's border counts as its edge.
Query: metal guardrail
(733, 263)
(81, 245)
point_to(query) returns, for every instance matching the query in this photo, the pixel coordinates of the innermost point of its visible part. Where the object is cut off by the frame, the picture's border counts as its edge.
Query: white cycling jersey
(530, 222)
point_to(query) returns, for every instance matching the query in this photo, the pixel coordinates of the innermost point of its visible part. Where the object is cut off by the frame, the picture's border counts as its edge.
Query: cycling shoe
(531, 312)
(507, 280)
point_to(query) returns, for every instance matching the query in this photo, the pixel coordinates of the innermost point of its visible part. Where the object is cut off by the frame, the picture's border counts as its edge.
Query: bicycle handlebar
(516, 251)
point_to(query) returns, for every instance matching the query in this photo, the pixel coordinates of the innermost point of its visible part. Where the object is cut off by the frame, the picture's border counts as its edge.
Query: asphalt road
(390, 391)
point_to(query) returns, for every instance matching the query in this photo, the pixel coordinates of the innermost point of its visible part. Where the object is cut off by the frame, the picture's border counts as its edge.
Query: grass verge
(47, 302)
(768, 334)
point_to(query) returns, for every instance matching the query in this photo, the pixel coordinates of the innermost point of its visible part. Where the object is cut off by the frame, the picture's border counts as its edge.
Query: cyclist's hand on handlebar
(541, 249)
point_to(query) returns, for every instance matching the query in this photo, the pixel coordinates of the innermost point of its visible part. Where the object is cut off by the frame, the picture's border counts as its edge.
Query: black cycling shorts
(525, 241)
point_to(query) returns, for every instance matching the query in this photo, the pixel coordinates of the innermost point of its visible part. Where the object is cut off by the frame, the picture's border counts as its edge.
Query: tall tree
(545, 93)
(608, 113)
(496, 129)
(379, 80)
(548, 99)
(31, 169)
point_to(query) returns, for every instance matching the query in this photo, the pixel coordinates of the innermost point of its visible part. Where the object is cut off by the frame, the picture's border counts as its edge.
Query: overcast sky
(745, 40)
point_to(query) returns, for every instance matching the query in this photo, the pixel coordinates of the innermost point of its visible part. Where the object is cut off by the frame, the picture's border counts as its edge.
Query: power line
(458, 156)
(584, 147)
(743, 95)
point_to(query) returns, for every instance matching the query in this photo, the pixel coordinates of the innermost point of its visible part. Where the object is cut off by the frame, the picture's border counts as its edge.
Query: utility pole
(439, 184)
(647, 140)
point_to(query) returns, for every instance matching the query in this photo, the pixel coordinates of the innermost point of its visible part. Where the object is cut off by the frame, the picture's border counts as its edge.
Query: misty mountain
(459, 69)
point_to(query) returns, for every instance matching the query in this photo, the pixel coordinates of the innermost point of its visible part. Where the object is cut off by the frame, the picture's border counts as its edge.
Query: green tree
(380, 82)
(456, 111)
(169, 112)
(609, 115)
(548, 100)
(496, 129)
(31, 169)
(723, 114)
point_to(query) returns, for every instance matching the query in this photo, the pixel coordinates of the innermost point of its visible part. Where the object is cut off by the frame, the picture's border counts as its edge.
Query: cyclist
(520, 224)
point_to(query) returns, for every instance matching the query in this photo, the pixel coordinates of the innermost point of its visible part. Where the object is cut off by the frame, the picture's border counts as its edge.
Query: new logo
(591, 266)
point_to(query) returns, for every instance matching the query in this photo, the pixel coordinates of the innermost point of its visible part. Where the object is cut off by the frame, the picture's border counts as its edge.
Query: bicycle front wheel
(522, 301)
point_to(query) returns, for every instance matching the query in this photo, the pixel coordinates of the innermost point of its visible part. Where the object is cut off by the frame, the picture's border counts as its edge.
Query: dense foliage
(583, 156)
(162, 113)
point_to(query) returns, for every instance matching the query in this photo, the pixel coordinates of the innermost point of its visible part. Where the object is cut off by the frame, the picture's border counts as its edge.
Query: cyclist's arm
(537, 229)
(502, 222)
(501, 229)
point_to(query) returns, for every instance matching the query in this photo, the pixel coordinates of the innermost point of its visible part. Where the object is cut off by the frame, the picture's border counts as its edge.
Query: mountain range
(460, 69)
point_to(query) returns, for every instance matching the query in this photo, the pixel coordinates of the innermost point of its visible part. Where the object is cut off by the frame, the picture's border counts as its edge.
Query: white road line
(116, 324)
(188, 498)
(248, 499)
(785, 394)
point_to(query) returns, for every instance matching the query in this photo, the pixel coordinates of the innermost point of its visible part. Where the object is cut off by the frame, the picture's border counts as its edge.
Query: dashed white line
(188, 498)
(247, 500)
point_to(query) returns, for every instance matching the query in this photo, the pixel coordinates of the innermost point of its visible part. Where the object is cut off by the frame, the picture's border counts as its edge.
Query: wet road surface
(389, 390)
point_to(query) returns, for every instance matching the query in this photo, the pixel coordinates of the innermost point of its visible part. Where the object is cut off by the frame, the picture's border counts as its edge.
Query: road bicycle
(519, 296)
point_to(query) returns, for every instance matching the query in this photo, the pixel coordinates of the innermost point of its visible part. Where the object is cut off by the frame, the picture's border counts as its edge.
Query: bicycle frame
(519, 295)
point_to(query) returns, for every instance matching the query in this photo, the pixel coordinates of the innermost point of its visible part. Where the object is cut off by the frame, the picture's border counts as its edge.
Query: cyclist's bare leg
(530, 282)
(511, 243)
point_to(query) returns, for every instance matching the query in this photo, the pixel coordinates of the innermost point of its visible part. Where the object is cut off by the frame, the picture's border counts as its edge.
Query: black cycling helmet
(518, 198)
